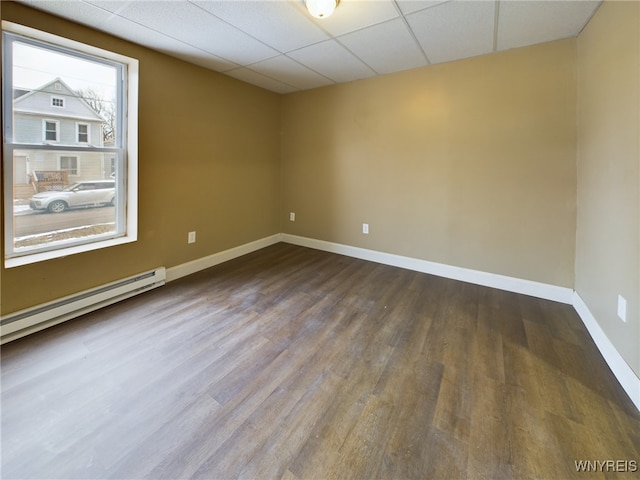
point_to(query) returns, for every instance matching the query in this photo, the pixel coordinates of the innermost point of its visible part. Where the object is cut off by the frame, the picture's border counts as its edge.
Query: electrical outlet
(365, 228)
(292, 216)
(192, 237)
(622, 308)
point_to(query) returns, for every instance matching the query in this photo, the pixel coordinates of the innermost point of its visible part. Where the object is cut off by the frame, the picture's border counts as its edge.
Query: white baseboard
(182, 270)
(622, 371)
(501, 282)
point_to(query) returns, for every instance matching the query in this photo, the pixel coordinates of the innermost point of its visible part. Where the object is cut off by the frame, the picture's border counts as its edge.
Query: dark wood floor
(294, 363)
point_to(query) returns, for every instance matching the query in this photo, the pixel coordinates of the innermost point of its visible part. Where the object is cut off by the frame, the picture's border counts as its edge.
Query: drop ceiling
(277, 45)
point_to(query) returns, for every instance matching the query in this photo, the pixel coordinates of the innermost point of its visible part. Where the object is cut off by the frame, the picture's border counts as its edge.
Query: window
(69, 165)
(43, 73)
(50, 131)
(82, 132)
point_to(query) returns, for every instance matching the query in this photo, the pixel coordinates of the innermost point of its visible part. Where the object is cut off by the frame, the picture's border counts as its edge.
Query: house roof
(18, 92)
(38, 102)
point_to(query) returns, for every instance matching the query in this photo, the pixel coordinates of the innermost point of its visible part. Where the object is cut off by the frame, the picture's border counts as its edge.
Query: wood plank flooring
(294, 363)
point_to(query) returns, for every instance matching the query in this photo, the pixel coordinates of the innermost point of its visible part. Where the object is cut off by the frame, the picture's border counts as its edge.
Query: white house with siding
(54, 114)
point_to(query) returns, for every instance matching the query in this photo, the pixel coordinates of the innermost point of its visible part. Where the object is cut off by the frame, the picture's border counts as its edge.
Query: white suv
(81, 194)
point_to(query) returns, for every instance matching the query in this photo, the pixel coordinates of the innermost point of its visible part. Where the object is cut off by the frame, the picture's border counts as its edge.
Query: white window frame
(60, 157)
(88, 125)
(53, 101)
(126, 150)
(44, 130)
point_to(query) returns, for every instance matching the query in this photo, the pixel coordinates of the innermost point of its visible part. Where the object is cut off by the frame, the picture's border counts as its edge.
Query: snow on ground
(18, 209)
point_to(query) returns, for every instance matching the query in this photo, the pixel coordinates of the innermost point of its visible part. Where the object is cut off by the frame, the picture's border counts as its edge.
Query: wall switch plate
(622, 308)
(365, 228)
(292, 216)
(192, 237)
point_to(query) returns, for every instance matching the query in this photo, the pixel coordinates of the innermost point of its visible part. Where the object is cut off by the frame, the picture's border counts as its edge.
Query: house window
(82, 132)
(51, 131)
(41, 74)
(69, 165)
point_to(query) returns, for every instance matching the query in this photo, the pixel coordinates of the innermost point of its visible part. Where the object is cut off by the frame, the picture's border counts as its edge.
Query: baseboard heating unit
(24, 322)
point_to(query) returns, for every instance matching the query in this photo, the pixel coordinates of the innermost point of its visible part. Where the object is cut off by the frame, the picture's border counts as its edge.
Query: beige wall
(470, 163)
(209, 161)
(608, 232)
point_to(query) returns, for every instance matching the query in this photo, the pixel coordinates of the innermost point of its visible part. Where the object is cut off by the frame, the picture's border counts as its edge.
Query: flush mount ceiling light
(321, 8)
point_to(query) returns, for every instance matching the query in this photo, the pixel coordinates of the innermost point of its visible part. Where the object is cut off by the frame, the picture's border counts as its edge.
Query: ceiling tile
(284, 48)
(353, 15)
(333, 61)
(113, 6)
(198, 28)
(411, 6)
(523, 23)
(198, 57)
(387, 47)
(454, 30)
(99, 14)
(278, 24)
(255, 78)
(287, 70)
(81, 12)
(138, 34)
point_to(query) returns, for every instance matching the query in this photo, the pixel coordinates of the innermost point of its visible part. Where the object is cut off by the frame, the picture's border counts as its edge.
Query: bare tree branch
(105, 108)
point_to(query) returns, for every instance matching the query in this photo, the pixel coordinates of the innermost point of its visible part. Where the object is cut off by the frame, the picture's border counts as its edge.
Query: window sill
(28, 259)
